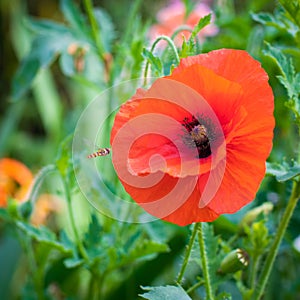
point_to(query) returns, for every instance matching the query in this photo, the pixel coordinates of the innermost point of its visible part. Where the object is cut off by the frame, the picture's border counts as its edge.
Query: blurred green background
(34, 122)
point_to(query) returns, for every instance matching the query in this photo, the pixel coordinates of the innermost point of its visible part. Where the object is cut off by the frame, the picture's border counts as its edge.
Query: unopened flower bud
(252, 214)
(25, 209)
(234, 261)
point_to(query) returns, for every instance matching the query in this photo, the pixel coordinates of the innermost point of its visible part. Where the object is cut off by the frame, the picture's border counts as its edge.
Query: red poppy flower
(15, 180)
(194, 145)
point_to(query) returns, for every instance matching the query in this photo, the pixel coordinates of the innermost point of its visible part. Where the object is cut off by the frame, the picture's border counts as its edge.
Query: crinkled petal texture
(158, 163)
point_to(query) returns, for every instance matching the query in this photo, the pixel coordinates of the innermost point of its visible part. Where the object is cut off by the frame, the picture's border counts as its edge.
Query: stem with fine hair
(260, 287)
(171, 44)
(181, 28)
(204, 261)
(185, 28)
(195, 286)
(187, 254)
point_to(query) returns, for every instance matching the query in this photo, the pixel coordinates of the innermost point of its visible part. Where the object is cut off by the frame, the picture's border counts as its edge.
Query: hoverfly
(99, 152)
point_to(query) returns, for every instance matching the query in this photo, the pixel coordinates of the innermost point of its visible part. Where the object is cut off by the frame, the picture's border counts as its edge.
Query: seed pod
(234, 261)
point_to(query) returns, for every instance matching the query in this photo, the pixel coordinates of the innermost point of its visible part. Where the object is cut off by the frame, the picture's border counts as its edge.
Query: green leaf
(154, 61)
(145, 249)
(200, 25)
(46, 27)
(43, 51)
(73, 262)
(168, 292)
(191, 46)
(161, 231)
(24, 76)
(279, 20)
(275, 169)
(4, 215)
(117, 256)
(288, 79)
(264, 18)
(46, 47)
(133, 240)
(293, 8)
(284, 63)
(297, 83)
(94, 234)
(66, 242)
(282, 172)
(74, 16)
(290, 174)
(42, 235)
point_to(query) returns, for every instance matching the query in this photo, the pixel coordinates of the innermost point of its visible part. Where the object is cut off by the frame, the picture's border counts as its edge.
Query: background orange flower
(15, 180)
(45, 205)
(194, 145)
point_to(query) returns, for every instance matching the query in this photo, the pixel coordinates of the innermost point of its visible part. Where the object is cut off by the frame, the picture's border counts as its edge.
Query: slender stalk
(72, 219)
(260, 288)
(171, 44)
(195, 286)
(94, 287)
(45, 171)
(95, 28)
(187, 254)
(204, 261)
(180, 29)
(253, 271)
(35, 276)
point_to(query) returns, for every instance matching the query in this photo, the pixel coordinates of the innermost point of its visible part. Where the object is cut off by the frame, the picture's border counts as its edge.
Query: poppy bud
(234, 261)
(25, 209)
(252, 214)
(12, 208)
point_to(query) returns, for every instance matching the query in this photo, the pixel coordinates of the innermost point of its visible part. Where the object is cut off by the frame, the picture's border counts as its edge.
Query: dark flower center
(198, 135)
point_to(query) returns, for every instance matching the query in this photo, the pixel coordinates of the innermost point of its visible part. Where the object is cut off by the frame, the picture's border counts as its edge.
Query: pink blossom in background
(173, 16)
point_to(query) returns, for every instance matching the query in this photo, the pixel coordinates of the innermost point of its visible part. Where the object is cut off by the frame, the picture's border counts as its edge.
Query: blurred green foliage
(55, 61)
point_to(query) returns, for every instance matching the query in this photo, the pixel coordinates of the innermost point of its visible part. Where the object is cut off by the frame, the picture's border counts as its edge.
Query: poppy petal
(152, 126)
(173, 199)
(226, 90)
